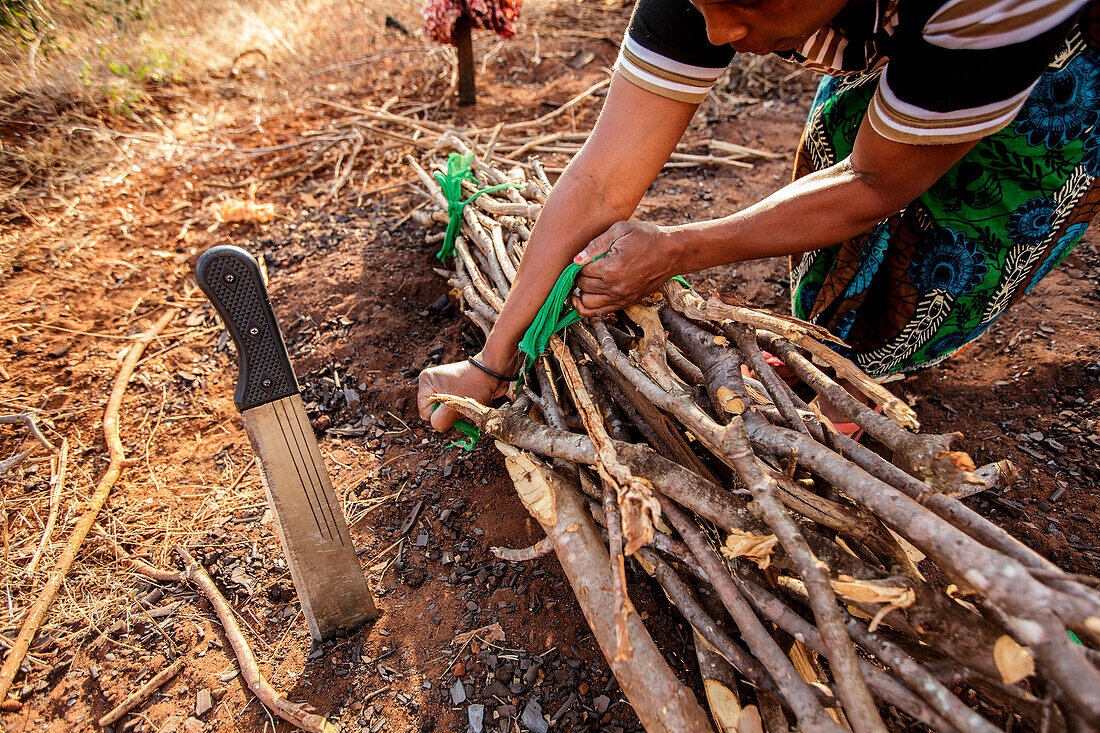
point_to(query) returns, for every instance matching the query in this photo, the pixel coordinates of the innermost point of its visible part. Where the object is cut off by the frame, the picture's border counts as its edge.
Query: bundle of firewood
(829, 585)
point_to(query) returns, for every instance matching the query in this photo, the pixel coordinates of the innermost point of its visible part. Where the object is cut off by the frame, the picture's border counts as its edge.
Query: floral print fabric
(440, 17)
(930, 279)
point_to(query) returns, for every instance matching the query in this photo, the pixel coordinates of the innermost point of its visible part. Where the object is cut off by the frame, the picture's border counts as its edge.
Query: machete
(308, 517)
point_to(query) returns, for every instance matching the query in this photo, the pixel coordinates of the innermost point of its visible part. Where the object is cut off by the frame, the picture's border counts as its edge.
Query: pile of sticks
(828, 585)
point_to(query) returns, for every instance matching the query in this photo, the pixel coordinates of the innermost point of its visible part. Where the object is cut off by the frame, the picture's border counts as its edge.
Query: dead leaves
(236, 210)
(854, 590)
(961, 460)
(1013, 661)
(490, 634)
(240, 211)
(867, 591)
(757, 548)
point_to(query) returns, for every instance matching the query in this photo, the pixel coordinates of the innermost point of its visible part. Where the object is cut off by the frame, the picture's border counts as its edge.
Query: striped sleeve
(965, 71)
(666, 51)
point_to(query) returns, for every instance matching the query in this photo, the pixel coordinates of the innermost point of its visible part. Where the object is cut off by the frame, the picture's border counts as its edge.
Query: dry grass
(127, 63)
(104, 53)
(99, 593)
(751, 78)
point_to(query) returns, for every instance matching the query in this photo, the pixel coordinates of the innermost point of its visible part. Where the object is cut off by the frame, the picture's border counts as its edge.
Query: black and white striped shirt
(952, 71)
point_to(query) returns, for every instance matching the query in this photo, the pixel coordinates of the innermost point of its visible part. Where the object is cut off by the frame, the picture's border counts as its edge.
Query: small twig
(30, 421)
(250, 671)
(542, 548)
(135, 698)
(55, 501)
(10, 463)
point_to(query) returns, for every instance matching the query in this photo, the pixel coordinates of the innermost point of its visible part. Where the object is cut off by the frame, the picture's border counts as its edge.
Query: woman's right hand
(459, 378)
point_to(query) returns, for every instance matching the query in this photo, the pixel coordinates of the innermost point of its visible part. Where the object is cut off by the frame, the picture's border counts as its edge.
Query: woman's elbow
(598, 188)
(883, 194)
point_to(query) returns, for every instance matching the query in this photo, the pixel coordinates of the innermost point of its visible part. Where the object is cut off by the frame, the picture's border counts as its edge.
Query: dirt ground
(87, 267)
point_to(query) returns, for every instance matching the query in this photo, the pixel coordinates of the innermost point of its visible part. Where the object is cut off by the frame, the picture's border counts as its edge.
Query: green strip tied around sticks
(472, 433)
(467, 428)
(550, 319)
(458, 170)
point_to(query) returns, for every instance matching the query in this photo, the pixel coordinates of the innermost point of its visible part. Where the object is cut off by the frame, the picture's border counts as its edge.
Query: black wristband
(490, 372)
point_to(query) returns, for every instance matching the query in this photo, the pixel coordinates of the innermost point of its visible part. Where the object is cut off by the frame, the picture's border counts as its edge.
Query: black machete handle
(231, 279)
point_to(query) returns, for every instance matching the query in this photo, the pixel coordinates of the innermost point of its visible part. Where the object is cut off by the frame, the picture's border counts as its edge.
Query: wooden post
(467, 88)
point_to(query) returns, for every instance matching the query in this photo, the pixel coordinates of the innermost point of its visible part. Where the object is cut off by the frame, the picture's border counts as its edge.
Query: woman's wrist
(675, 245)
(492, 372)
(499, 359)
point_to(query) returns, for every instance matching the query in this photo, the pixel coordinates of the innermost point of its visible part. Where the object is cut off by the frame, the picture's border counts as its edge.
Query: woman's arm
(636, 132)
(634, 136)
(826, 207)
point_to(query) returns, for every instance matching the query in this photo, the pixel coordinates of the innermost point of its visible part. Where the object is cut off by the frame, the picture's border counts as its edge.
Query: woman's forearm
(818, 210)
(603, 184)
(576, 212)
(824, 208)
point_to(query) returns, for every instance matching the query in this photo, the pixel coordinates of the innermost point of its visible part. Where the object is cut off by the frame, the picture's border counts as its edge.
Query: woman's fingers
(440, 416)
(458, 378)
(590, 306)
(631, 270)
(588, 284)
(425, 389)
(443, 419)
(600, 244)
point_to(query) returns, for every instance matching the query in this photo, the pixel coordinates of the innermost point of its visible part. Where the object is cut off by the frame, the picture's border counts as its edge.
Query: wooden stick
(250, 671)
(467, 86)
(135, 698)
(754, 459)
(138, 565)
(10, 463)
(722, 368)
(55, 501)
(542, 548)
(661, 702)
(811, 715)
(798, 332)
(560, 110)
(30, 421)
(114, 444)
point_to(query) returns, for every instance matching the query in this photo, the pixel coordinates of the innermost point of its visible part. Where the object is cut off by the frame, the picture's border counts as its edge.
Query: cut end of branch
(532, 484)
(477, 412)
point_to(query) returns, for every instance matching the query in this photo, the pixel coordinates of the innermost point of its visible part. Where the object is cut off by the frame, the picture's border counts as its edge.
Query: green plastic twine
(467, 428)
(458, 170)
(550, 320)
(472, 433)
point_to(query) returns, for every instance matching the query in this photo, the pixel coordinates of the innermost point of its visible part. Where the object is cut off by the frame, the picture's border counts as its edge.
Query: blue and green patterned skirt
(932, 278)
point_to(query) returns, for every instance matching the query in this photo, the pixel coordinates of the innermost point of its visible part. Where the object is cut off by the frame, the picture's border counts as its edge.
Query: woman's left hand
(640, 258)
